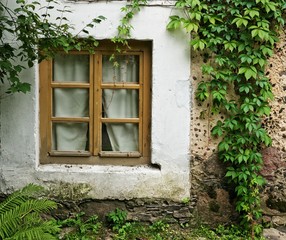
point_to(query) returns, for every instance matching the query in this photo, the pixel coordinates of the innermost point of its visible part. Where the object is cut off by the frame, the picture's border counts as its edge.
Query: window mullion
(97, 68)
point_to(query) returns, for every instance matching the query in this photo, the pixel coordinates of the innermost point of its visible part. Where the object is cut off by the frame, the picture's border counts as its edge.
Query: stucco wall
(170, 118)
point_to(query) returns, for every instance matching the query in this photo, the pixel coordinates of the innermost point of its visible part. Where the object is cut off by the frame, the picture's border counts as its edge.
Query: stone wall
(145, 210)
(215, 200)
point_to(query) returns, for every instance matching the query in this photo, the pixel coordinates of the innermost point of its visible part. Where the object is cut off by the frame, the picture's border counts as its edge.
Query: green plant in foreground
(239, 36)
(117, 218)
(80, 228)
(20, 216)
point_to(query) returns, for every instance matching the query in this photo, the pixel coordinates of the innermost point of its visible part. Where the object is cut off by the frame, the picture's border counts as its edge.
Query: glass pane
(70, 136)
(126, 69)
(70, 102)
(71, 68)
(121, 137)
(120, 103)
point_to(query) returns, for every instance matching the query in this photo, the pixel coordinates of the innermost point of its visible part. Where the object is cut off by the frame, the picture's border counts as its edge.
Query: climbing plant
(239, 36)
(23, 31)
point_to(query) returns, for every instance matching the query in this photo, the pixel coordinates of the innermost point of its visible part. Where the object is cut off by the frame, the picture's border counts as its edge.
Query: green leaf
(249, 72)
(253, 12)
(241, 190)
(198, 43)
(240, 21)
(223, 146)
(175, 22)
(229, 45)
(217, 131)
(191, 26)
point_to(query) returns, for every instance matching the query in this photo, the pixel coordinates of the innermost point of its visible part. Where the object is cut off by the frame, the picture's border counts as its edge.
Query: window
(93, 112)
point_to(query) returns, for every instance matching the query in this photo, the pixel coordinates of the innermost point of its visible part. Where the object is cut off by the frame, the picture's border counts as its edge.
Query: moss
(69, 191)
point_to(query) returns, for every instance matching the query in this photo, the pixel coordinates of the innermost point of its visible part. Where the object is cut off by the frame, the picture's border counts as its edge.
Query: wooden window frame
(94, 156)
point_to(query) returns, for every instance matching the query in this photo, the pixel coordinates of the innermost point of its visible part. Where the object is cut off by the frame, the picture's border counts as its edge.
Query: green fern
(20, 216)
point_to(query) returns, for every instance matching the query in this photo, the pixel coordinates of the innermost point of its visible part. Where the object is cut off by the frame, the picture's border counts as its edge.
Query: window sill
(61, 168)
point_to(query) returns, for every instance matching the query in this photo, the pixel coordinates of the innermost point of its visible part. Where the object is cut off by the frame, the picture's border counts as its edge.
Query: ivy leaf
(230, 45)
(245, 58)
(252, 12)
(239, 21)
(191, 26)
(262, 34)
(207, 69)
(245, 88)
(198, 43)
(264, 110)
(219, 95)
(231, 173)
(266, 51)
(270, 6)
(217, 130)
(174, 23)
(223, 146)
(260, 180)
(241, 190)
(249, 72)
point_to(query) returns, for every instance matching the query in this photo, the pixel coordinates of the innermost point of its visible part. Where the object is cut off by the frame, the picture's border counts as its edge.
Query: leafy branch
(23, 32)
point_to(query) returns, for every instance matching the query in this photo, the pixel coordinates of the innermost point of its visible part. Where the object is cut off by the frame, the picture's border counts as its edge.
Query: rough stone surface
(274, 234)
(146, 210)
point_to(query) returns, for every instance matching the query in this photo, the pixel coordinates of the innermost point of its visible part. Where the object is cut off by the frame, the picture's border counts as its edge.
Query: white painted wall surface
(170, 117)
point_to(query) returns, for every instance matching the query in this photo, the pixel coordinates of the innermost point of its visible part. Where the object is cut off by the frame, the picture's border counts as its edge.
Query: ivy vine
(239, 36)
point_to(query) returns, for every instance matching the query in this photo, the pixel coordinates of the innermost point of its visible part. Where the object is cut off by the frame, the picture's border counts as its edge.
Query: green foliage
(81, 229)
(135, 230)
(117, 218)
(29, 32)
(125, 27)
(20, 216)
(221, 233)
(240, 37)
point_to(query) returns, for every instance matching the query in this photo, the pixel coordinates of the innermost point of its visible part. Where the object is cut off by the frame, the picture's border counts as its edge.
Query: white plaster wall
(170, 117)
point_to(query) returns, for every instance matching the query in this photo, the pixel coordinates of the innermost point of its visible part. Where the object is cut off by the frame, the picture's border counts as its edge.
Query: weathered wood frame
(95, 86)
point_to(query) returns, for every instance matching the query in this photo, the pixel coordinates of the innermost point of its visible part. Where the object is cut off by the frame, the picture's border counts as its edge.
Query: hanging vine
(240, 36)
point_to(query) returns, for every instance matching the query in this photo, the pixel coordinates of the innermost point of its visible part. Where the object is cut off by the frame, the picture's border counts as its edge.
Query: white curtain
(70, 102)
(121, 103)
(73, 102)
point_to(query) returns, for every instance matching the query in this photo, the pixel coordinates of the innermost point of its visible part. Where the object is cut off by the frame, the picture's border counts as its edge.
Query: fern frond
(19, 197)
(10, 220)
(20, 215)
(43, 231)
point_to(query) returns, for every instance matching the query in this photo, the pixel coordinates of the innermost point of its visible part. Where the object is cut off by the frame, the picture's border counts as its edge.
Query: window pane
(120, 103)
(127, 69)
(70, 136)
(121, 137)
(71, 68)
(70, 102)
